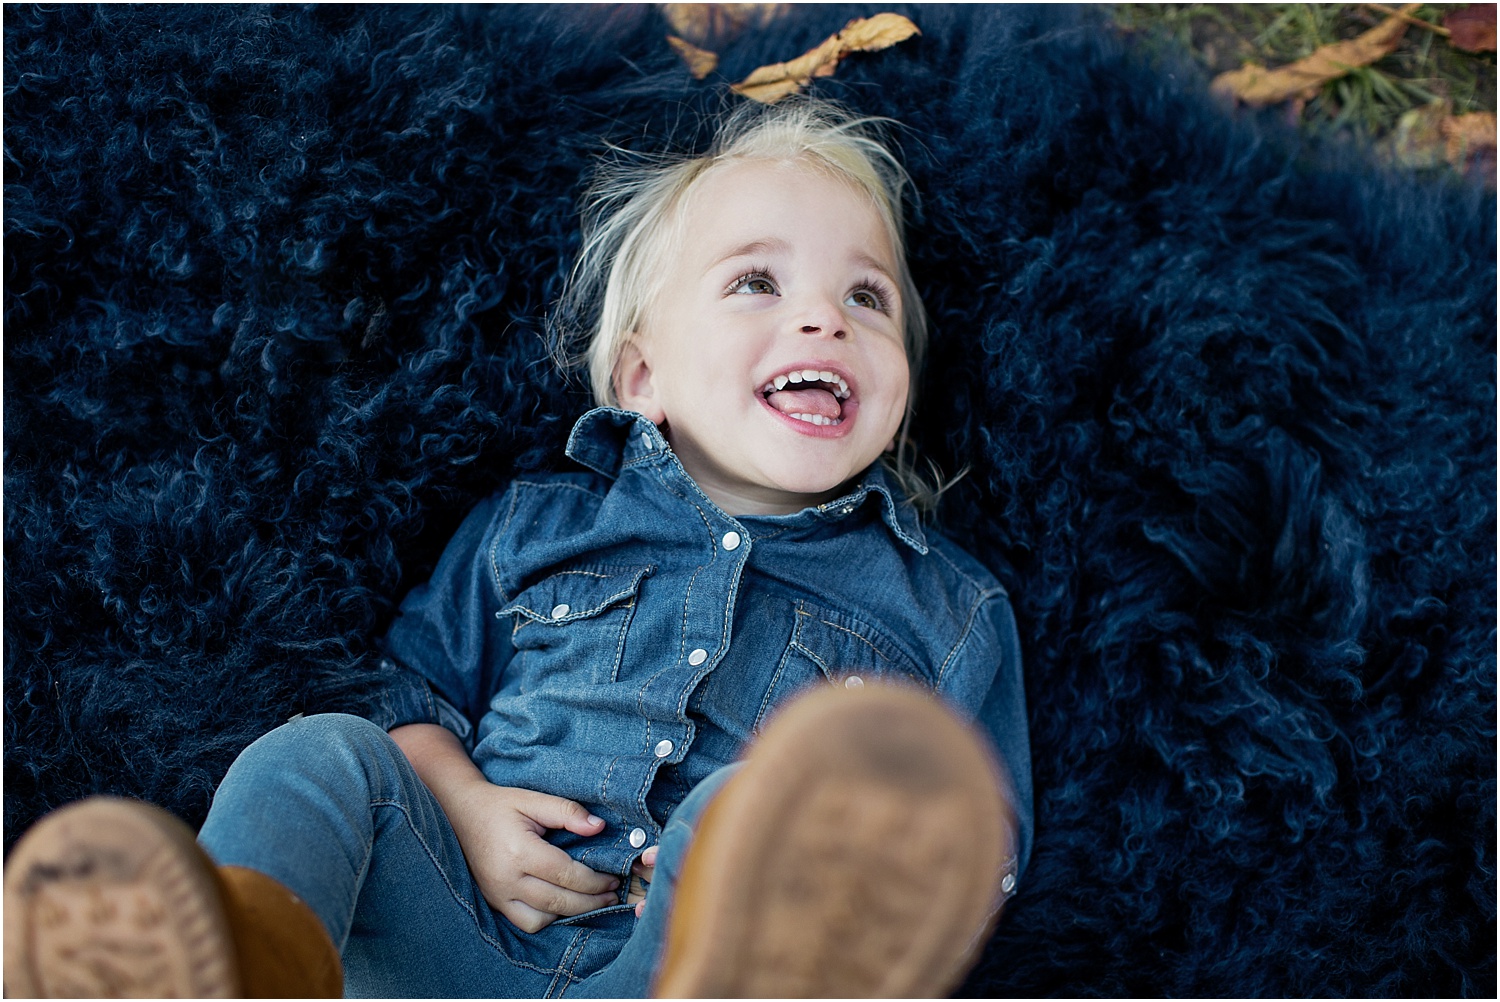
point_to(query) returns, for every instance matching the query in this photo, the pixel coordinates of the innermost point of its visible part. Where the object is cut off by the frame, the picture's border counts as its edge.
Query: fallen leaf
(871, 34)
(770, 84)
(1418, 141)
(1468, 135)
(702, 23)
(700, 62)
(1257, 86)
(1431, 136)
(1473, 28)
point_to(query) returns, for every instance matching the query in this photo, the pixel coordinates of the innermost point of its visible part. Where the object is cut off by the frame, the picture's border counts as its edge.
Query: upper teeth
(841, 388)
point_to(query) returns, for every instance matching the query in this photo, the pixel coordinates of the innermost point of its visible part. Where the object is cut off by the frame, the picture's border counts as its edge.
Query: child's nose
(825, 319)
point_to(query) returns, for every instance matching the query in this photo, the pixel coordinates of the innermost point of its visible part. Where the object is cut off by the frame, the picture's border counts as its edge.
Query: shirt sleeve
(446, 648)
(988, 673)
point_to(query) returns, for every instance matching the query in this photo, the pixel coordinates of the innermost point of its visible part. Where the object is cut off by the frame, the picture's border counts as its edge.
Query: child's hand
(641, 874)
(522, 876)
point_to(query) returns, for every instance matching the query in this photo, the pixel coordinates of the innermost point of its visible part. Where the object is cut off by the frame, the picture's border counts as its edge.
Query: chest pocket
(829, 648)
(572, 625)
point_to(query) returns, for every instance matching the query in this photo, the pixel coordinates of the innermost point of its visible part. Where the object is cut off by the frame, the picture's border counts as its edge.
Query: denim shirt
(613, 637)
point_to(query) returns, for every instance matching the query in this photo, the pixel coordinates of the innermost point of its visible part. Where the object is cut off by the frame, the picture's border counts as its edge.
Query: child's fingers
(548, 898)
(525, 917)
(550, 864)
(558, 812)
(645, 867)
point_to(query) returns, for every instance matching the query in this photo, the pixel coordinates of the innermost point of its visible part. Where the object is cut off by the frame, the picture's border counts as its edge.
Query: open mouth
(813, 396)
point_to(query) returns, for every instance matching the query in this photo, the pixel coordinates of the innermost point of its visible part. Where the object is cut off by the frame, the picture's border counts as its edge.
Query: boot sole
(111, 898)
(857, 853)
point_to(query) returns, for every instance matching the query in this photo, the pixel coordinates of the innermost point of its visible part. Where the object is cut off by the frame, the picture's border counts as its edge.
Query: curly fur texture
(275, 286)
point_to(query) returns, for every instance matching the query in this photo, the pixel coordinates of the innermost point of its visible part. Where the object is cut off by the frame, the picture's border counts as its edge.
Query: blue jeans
(329, 806)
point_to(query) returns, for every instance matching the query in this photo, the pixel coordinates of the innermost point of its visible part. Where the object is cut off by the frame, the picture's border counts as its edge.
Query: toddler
(549, 801)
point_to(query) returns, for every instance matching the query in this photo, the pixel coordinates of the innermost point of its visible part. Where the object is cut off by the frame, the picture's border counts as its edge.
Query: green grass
(1367, 103)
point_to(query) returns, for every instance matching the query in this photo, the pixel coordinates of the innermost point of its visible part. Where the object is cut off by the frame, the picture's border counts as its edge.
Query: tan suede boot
(858, 853)
(283, 949)
(112, 898)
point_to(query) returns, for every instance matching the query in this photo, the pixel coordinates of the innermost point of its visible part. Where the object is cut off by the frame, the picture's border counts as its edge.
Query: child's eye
(870, 297)
(755, 283)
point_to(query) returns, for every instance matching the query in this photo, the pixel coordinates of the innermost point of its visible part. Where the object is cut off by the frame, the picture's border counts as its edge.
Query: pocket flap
(577, 594)
(847, 651)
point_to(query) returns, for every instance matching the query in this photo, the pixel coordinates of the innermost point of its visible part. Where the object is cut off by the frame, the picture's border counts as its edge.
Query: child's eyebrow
(775, 245)
(874, 265)
(769, 245)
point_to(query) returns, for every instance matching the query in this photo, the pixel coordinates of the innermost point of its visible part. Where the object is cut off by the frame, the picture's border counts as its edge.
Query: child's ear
(634, 386)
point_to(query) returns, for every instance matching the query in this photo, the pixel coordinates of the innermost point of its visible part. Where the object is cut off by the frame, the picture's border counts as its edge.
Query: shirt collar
(899, 515)
(606, 438)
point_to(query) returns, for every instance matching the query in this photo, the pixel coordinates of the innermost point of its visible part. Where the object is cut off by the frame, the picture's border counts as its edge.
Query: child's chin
(814, 490)
(814, 473)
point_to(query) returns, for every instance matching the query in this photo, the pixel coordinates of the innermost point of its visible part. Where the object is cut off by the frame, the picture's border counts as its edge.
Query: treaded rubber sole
(857, 853)
(112, 898)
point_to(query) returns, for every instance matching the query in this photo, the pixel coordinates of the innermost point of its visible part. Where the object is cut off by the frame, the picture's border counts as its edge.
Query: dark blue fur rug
(276, 281)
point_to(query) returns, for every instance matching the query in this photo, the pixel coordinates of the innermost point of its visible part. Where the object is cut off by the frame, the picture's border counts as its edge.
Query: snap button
(560, 610)
(697, 657)
(854, 682)
(637, 837)
(731, 541)
(663, 748)
(1008, 883)
(646, 442)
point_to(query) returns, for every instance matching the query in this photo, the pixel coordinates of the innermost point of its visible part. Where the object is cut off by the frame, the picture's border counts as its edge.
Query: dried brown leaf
(872, 34)
(1468, 135)
(1258, 86)
(1473, 28)
(700, 62)
(702, 23)
(769, 84)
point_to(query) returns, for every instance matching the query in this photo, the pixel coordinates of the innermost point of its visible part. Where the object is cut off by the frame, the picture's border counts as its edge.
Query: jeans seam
(569, 962)
(458, 898)
(349, 907)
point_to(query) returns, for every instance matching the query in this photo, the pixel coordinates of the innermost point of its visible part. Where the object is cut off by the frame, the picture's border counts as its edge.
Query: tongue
(806, 402)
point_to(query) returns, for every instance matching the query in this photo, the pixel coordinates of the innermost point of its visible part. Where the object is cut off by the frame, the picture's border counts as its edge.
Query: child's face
(781, 271)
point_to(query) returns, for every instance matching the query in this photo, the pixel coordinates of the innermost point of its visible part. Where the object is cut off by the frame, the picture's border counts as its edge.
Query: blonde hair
(633, 219)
